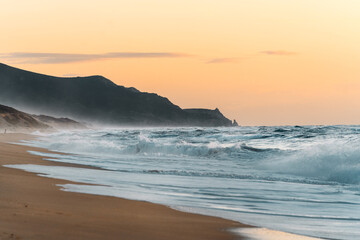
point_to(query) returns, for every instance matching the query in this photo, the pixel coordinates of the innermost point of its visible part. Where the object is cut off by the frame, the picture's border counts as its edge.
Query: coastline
(33, 207)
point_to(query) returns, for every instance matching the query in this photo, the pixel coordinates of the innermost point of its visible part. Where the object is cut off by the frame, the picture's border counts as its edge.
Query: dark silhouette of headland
(96, 99)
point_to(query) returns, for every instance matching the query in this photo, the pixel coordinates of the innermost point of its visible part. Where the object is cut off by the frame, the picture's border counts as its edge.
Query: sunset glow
(262, 62)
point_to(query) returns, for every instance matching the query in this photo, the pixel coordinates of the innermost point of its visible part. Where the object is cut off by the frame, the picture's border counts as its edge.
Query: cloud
(249, 56)
(278, 53)
(223, 60)
(55, 58)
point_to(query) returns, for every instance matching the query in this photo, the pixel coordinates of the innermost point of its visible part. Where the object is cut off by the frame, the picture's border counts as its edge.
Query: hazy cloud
(243, 57)
(223, 60)
(53, 58)
(278, 53)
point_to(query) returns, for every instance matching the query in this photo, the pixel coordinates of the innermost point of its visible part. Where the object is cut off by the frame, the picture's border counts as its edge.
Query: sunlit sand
(267, 234)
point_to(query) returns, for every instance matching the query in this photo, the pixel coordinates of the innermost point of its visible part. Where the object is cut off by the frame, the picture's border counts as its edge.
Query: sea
(296, 179)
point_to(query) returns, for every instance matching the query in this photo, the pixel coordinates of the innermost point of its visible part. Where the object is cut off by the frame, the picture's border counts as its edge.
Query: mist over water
(303, 180)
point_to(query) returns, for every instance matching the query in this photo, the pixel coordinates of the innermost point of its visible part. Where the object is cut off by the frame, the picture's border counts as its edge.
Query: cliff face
(96, 99)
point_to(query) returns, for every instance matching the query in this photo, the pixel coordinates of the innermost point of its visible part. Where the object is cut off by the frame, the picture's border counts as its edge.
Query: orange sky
(263, 62)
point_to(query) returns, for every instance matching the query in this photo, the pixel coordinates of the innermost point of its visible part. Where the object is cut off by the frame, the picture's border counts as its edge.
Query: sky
(261, 62)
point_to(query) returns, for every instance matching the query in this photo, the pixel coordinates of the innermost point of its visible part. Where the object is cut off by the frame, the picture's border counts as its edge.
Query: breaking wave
(325, 153)
(332, 160)
(286, 178)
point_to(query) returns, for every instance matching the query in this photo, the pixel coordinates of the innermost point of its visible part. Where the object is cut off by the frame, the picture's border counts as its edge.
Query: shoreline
(34, 207)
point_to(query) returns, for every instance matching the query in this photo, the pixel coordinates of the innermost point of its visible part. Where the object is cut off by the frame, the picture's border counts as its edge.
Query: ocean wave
(250, 176)
(302, 179)
(332, 160)
(243, 210)
(315, 153)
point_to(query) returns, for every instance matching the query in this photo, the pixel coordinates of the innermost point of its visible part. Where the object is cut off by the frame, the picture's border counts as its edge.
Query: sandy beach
(33, 207)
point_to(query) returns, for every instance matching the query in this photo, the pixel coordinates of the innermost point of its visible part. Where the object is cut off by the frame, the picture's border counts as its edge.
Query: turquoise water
(303, 180)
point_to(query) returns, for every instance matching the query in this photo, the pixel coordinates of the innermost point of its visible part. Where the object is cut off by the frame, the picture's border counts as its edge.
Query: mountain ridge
(96, 99)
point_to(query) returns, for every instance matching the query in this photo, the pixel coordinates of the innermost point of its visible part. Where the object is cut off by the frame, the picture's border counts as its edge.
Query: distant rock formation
(235, 124)
(59, 123)
(207, 117)
(96, 99)
(12, 119)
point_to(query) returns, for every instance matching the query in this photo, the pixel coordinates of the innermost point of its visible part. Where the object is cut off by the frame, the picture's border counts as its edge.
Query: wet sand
(33, 207)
